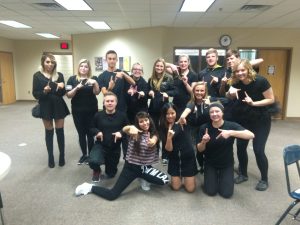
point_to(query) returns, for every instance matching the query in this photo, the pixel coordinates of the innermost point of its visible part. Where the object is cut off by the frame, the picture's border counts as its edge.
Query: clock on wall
(225, 40)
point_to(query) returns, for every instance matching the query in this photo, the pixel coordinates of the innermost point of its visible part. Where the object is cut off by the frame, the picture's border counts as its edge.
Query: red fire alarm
(64, 45)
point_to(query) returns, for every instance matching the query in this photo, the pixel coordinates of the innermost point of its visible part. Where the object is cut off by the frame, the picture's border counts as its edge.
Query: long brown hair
(155, 81)
(54, 75)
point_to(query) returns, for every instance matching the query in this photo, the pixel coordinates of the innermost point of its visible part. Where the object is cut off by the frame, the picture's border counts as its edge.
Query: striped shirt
(140, 153)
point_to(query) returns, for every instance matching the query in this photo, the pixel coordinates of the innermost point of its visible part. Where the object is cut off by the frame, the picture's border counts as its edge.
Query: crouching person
(141, 154)
(107, 129)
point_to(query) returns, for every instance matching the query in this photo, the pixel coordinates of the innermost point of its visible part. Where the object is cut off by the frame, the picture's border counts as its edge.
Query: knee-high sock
(49, 145)
(61, 145)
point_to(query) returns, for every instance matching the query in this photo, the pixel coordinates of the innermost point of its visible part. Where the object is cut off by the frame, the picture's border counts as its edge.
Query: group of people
(192, 118)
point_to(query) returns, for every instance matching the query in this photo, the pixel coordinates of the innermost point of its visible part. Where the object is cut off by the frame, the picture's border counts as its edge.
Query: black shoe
(240, 179)
(51, 163)
(82, 160)
(61, 161)
(262, 185)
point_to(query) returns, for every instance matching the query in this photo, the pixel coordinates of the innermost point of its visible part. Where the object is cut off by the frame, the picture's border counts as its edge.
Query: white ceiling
(131, 14)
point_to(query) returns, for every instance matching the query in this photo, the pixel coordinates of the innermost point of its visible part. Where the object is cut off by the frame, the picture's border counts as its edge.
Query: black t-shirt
(206, 76)
(134, 103)
(219, 152)
(118, 90)
(84, 100)
(108, 124)
(182, 96)
(243, 112)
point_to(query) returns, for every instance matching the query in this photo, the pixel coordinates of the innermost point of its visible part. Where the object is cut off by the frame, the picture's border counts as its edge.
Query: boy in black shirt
(107, 129)
(114, 79)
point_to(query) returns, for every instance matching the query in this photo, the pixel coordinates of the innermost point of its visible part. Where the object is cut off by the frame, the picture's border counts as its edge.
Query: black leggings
(82, 121)
(218, 180)
(129, 173)
(261, 131)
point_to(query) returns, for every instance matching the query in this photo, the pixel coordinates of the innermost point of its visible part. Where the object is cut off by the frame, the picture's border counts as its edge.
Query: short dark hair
(110, 52)
(231, 52)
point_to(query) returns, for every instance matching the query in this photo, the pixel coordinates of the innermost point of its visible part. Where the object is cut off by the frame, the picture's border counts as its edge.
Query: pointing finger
(246, 94)
(219, 136)
(206, 131)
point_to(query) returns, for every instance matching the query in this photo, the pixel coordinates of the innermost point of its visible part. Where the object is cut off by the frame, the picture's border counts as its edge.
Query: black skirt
(54, 107)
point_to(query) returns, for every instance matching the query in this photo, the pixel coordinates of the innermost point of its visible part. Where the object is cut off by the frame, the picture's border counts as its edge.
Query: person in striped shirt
(141, 154)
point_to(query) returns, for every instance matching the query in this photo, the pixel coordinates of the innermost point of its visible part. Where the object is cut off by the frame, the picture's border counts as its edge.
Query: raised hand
(234, 92)
(224, 134)
(111, 83)
(151, 94)
(47, 88)
(134, 132)
(117, 135)
(214, 79)
(248, 99)
(99, 136)
(181, 122)
(206, 137)
(151, 141)
(165, 95)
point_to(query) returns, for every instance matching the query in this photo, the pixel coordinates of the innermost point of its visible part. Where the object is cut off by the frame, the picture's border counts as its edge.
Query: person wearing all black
(161, 87)
(184, 79)
(253, 95)
(213, 73)
(114, 79)
(49, 88)
(107, 129)
(83, 88)
(137, 99)
(216, 139)
(182, 162)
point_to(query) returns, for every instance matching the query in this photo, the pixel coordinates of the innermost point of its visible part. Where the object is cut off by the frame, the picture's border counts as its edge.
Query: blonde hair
(155, 81)
(200, 83)
(251, 75)
(54, 74)
(89, 65)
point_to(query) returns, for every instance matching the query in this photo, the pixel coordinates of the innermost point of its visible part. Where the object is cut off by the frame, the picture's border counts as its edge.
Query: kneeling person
(107, 129)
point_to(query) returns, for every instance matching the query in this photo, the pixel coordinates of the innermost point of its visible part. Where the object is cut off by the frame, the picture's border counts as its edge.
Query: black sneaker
(82, 159)
(262, 185)
(240, 179)
(96, 176)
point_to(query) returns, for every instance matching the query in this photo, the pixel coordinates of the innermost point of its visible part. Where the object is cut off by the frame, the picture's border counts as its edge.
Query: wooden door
(7, 78)
(275, 69)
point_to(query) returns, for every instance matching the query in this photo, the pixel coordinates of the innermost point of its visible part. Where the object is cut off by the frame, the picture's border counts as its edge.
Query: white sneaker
(145, 185)
(83, 189)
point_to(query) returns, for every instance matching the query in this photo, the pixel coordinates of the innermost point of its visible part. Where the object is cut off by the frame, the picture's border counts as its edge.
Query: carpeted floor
(33, 194)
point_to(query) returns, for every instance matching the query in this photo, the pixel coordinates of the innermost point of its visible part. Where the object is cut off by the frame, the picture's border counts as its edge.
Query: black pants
(109, 157)
(218, 181)
(261, 131)
(82, 121)
(129, 173)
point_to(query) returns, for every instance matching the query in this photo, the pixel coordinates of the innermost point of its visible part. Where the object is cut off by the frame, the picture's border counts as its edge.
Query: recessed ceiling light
(98, 25)
(14, 24)
(47, 35)
(196, 5)
(74, 4)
